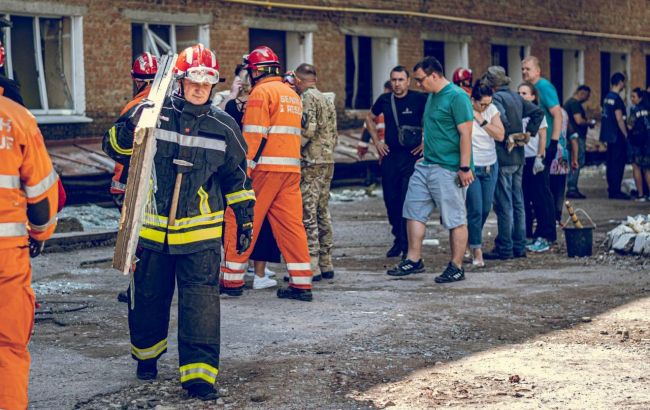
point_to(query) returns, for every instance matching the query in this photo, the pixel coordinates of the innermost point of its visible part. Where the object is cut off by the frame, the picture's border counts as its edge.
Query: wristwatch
(484, 123)
(464, 169)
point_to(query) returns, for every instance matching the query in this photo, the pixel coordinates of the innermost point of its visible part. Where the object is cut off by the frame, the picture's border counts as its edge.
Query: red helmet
(461, 75)
(260, 58)
(3, 23)
(145, 67)
(198, 64)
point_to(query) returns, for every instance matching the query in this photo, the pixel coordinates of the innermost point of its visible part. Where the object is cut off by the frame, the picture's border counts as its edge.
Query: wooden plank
(138, 185)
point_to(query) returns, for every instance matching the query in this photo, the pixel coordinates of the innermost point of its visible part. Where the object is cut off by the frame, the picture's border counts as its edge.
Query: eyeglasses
(421, 79)
(202, 75)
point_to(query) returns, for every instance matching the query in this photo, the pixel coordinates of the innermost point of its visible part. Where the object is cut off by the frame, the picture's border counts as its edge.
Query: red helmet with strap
(260, 58)
(3, 23)
(145, 67)
(198, 64)
(461, 75)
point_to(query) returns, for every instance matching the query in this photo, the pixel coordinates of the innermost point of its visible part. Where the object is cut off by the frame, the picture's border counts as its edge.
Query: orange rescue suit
(272, 129)
(28, 206)
(117, 185)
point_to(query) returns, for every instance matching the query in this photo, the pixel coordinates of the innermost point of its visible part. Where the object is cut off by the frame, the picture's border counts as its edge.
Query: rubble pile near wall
(632, 236)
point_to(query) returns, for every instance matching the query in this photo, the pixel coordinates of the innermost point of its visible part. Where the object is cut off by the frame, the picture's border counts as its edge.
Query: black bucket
(579, 241)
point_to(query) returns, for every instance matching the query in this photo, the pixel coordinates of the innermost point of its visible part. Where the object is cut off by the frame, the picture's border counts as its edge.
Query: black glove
(135, 116)
(551, 152)
(244, 237)
(35, 247)
(244, 217)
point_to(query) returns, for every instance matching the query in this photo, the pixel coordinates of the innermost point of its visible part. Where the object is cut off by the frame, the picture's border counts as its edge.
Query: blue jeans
(511, 216)
(480, 196)
(574, 174)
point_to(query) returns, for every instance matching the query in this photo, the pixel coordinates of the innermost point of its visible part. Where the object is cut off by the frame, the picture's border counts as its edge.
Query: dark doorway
(500, 56)
(358, 72)
(435, 49)
(274, 39)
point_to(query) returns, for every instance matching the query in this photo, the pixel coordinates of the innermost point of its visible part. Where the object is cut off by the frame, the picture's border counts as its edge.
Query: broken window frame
(155, 45)
(76, 86)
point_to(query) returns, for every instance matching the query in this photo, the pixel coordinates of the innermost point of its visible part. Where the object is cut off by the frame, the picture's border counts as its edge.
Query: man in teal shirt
(548, 101)
(441, 179)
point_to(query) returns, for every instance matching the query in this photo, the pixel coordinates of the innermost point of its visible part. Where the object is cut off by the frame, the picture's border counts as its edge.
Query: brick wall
(107, 39)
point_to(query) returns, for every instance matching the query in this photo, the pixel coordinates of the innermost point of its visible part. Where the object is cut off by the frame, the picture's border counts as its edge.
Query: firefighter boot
(202, 391)
(294, 293)
(147, 370)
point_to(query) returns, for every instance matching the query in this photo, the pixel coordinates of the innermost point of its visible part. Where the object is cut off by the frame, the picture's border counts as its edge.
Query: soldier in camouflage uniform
(319, 137)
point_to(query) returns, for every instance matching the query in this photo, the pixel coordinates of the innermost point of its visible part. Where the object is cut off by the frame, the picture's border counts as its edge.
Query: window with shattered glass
(41, 58)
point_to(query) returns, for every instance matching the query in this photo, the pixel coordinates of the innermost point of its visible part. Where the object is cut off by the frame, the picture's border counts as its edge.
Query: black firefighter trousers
(396, 170)
(152, 290)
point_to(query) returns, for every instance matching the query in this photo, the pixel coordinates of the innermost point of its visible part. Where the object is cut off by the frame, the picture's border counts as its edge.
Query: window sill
(62, 119)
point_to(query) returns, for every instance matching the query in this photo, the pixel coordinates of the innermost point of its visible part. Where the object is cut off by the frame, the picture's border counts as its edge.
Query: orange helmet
(461, 75)
(197, 64)
(145, 67)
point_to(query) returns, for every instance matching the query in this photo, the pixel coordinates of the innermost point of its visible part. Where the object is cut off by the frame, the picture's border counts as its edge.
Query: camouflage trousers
(315, 188)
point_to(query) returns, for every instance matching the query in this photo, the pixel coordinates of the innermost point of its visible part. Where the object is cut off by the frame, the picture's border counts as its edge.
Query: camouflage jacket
(319, 135)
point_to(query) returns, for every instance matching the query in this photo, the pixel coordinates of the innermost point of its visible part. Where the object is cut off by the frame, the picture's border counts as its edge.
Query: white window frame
(46, 115)
(151, 40)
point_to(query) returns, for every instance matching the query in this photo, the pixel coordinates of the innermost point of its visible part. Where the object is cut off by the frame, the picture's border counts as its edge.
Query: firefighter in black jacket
(206, 146)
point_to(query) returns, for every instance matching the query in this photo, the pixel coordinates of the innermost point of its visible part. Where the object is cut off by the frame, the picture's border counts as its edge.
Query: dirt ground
(541, 332)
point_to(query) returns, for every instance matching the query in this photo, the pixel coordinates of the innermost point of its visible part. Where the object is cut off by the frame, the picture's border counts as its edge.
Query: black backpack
(640, 132)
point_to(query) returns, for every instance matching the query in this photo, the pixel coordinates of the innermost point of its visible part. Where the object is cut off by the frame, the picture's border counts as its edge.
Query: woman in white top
(538, 200)
(486, 129)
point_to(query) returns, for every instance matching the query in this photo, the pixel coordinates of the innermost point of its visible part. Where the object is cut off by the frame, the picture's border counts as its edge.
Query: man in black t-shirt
(398, 161)
(579, 124)
(613, 131)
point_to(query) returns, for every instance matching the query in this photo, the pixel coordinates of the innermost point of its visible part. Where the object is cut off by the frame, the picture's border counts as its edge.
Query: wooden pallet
(139, 182)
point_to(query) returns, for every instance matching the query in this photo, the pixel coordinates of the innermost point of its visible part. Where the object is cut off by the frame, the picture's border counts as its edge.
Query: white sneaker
(268, 272)
(263, 283)
(250, 272)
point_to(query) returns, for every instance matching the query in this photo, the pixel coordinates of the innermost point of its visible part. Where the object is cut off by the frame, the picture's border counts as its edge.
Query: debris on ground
(351, 195)
(633, 236)
(92, 217)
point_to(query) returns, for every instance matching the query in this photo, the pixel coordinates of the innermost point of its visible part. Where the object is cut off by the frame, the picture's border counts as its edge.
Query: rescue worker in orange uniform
(272, 129)
(143, 72)
(28, 206)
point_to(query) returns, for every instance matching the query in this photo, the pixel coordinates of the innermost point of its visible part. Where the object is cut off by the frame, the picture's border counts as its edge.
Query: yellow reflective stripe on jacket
(199, 371)
(204, 205)
(150, 352)
(152, 234)
(198, 220)
(183, 238)
(209, 227)
(240, 196)
(112, 139)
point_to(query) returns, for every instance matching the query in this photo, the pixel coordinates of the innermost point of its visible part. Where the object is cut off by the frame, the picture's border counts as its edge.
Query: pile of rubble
(633, 236)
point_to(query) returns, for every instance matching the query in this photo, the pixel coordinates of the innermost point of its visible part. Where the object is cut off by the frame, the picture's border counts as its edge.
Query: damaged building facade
(73, 57)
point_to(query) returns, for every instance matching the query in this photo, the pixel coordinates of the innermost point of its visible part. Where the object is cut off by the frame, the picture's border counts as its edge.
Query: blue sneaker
(540, 245)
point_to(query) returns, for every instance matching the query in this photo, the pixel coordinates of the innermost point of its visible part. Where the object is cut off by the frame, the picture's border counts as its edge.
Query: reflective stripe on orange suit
(118, 187)
(26, 179)
(273, 111)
